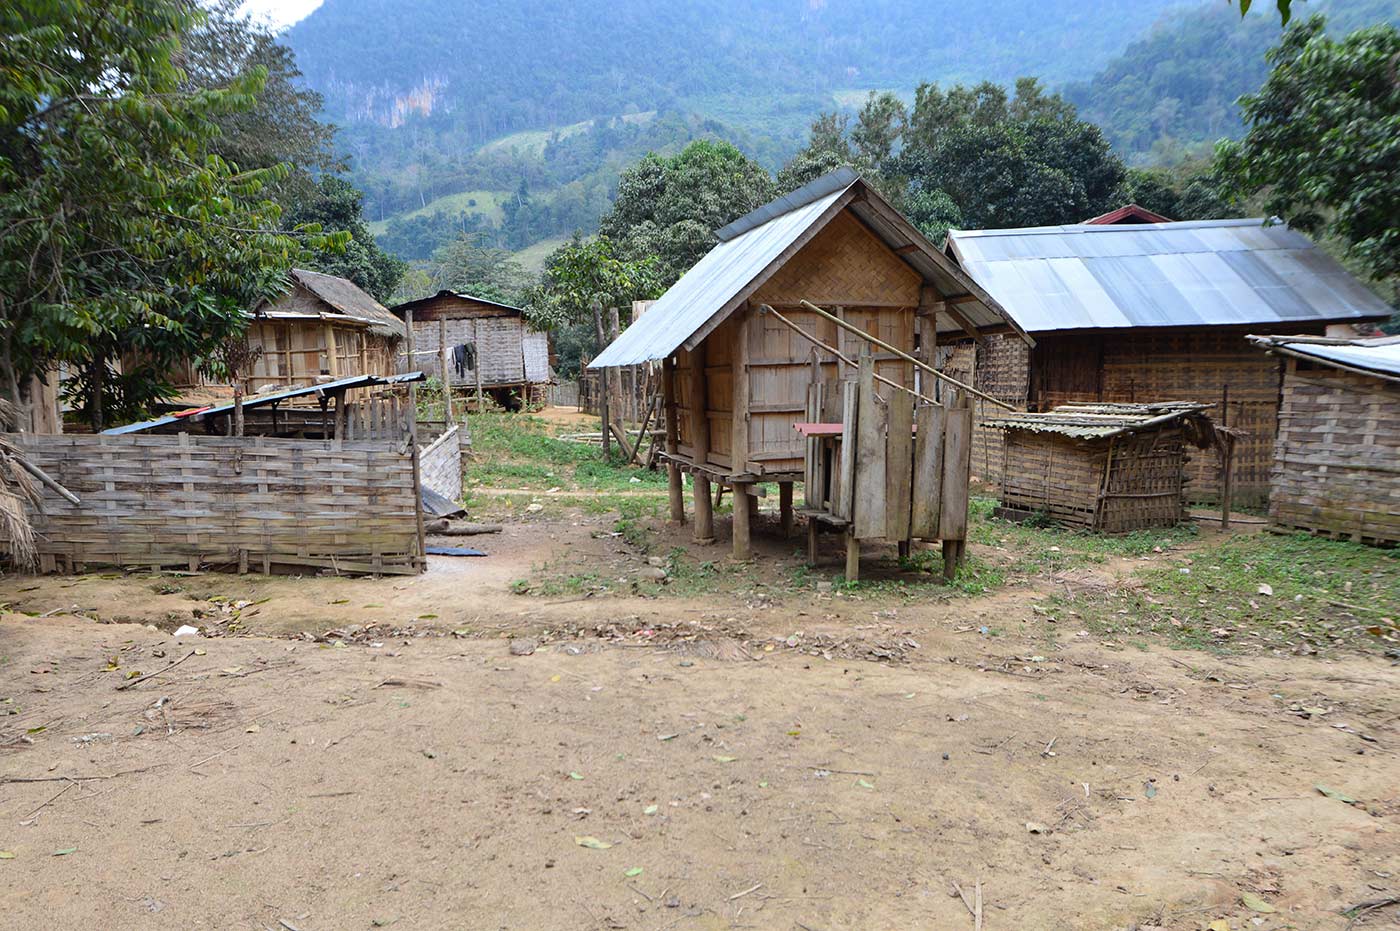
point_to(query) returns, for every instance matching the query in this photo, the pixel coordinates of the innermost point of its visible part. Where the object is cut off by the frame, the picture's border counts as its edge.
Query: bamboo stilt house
(491, 346)
(324, 326)
(1337, 459)
(1151, 312)
(735, 380)
(1113, 468)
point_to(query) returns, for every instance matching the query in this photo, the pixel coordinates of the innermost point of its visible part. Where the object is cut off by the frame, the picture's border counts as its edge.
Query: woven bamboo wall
(1063, 478)
(1001, 368)
(184, 500)
(1337, 460)
(1147, 482)
(1053, 474)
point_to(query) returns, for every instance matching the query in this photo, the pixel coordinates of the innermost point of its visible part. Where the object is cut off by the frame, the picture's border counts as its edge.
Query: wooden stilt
(704, 515)
(742, 520)
(903, 549)
(852, 557)
(673, 472)
(811, 541)
(952, 557)
(785, 506)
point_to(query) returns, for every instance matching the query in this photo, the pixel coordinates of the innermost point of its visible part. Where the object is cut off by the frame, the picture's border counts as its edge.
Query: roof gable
(1190, 273)
(345, 297)
(755, 247)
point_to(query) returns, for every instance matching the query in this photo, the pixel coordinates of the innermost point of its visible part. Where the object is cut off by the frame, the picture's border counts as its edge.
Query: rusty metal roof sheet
(1190, 273)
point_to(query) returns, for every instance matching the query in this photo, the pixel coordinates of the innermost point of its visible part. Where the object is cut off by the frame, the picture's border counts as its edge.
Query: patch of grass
(1321, 595)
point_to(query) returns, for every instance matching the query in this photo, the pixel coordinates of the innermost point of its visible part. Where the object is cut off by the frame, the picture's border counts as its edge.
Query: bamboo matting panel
(1146, 484)
(1056, 475)
(1338, 456)
(843, 264)
(187, 500)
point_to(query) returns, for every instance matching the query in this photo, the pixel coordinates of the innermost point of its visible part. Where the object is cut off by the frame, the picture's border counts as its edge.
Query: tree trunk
(98, 368)
(620, 407)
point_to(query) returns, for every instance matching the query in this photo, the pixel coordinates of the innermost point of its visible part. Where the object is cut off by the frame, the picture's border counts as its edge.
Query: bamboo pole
(837, 353)
(905, 356)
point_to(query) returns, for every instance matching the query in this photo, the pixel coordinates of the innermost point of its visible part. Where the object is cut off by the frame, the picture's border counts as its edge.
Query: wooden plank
(868, 516)
(843, 497)
(739, 448)
(743, 516)
(928, 472)
(899, 464)
(675, 488)
(957, 467)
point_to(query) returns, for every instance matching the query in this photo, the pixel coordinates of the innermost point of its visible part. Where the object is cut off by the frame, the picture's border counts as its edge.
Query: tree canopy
(1323, 140)
(123, 235)
(670, 207)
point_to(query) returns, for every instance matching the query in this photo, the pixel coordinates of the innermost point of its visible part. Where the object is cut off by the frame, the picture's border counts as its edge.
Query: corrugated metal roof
(1190, 273)
(749, 245)
(1380, 355)
(259, 400)
(1096, 421)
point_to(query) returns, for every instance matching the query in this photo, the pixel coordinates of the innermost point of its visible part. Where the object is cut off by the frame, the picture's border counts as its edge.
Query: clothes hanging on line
(464, 358)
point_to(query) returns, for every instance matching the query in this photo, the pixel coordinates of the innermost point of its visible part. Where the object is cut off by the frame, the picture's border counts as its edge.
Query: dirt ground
(342, 754)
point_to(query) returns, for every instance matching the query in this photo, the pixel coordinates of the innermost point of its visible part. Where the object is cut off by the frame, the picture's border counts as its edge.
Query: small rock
(430, 754)
(673, 902)
(1035, 827)
(652, 573)
(656, 561)
(534, 507)
(945, 756)
(522, 647)
(686, 663)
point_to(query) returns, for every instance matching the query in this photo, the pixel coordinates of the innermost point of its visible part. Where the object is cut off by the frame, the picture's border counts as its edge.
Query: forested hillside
(530, 108)
(1172, 93)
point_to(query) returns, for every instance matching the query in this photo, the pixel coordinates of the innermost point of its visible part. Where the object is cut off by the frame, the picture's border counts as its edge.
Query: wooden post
(410, 360)
(811, 541)
(785, 506)
(476, 341)
(739, 446)
(1227, 475)
(445, 361)
(332, 356)
(673, 471)
(742, 518)
(852, 556)
(698, 391)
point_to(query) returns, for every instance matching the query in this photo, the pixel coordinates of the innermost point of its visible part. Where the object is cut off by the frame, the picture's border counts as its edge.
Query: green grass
(533, 256)
(488, 205)
(521, 451)
(1324, 595)
(531, 142)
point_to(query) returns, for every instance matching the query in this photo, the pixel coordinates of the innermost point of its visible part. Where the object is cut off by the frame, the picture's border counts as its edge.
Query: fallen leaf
(1219, 924)
(634, 871)
(725, 759)
(200, 652)
(1333, 793)
(1254, 903)
(7, 854)
(667, 736)
(65, 851)
(573, 775)
(555, 678)
(341, 601)
(1265, 588)
(763, 785)
(252, 729)
(650, 810)
(865, 784)
(591, 842)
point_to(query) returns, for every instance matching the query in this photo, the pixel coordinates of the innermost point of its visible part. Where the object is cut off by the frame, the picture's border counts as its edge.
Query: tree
(1285, 9)
(1024, 159)
(335, 204)
(1190, 191)
(868, 146)
(670, 207)
(122, 236)
(581, 279)
(1323, 140)
(281, 127)
(482, 271)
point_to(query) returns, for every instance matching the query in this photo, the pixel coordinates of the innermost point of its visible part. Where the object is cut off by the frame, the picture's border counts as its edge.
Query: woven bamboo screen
(258, 503)
(1337, 466)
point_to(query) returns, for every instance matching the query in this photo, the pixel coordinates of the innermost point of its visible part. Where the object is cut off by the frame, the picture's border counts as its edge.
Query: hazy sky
(281, 12)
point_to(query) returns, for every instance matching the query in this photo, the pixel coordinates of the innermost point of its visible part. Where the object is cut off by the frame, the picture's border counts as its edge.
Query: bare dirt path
(430, 782)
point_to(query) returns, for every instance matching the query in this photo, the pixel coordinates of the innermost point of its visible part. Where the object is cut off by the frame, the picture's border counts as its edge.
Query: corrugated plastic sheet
(1206, 272)
(1093, 421)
